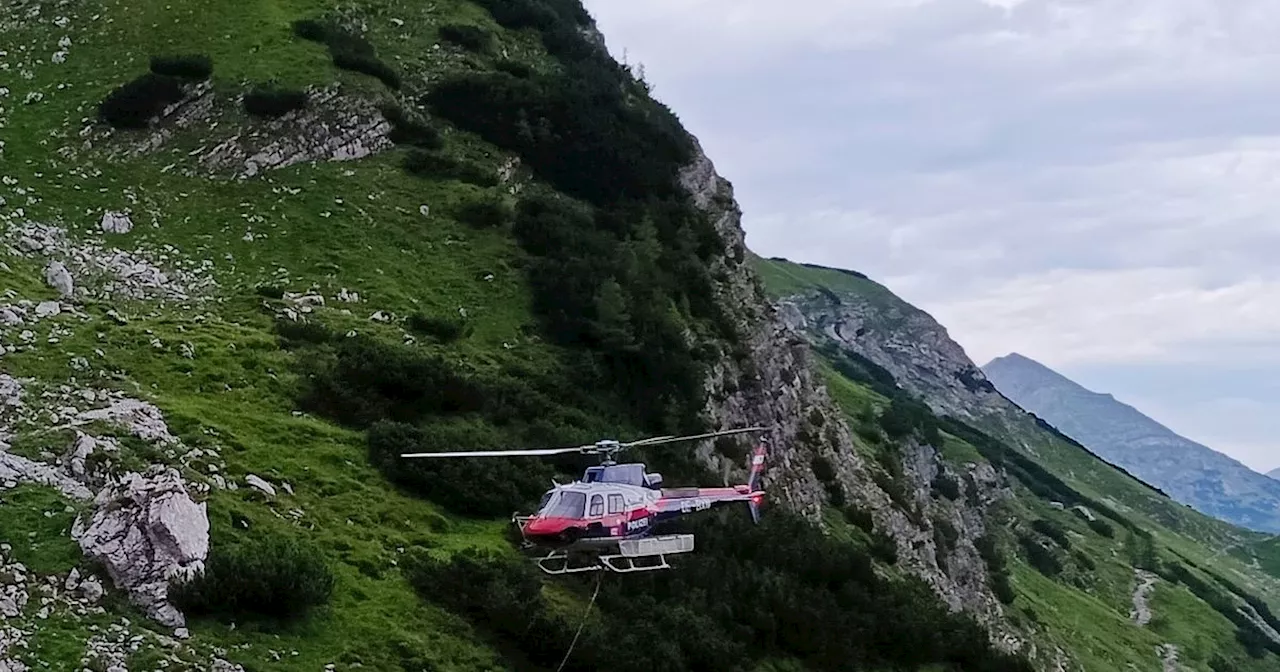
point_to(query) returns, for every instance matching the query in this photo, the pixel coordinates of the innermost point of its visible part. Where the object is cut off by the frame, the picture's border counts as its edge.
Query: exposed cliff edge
(1071, 517)
(773, 380)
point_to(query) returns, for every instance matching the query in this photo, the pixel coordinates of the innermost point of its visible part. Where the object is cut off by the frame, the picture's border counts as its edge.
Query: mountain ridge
(870, 338)
(1192, 472)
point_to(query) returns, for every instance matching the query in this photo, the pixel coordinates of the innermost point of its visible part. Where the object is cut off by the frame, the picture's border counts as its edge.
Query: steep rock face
(769, 381)
(905, 341)
(1190, 472)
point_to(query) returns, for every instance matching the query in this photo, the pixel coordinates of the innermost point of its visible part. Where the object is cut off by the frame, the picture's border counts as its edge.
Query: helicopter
(607, 518)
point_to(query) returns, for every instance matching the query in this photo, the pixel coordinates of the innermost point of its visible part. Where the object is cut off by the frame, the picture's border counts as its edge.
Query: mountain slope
(1190, 472)
(252, 252)
(1098, 563)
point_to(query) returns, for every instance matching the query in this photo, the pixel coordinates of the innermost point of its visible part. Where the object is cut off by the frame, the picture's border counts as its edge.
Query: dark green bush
(1101, 527)
(780, 589)
(272, 102)
(946, 486)
(438, 166)
(132, 105)
(859, 518)
(474, 487)
(443, 329)
(410, 130)
(1052, 530)
(514, 68)
(906, 416)
(311, 29)
(471, 38)
(488, 212)
(368, 65)
(269, 291)
(348, 50)
(363, 380)
(267, 576)
(196, 67)
(577, 130)
(1043, 559)
(293, 333)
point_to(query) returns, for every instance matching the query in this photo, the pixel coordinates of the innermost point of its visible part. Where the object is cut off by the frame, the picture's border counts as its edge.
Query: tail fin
(753, 482)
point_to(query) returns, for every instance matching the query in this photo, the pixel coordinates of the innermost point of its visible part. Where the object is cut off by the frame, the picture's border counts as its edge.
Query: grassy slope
(352, 225)
(1084, 611)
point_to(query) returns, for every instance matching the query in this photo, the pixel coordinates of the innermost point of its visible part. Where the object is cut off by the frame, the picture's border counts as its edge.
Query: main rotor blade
(670, 439)
(499, 453)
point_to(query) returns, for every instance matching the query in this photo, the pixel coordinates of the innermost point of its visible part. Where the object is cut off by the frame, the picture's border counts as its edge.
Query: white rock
(142, 419)
(147, 530)
(115, 222)
(260, 484)
(14, 468)
(48, 309)
(59, 278)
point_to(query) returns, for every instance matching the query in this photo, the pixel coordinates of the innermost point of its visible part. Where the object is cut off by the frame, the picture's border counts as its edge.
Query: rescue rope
(599, 580)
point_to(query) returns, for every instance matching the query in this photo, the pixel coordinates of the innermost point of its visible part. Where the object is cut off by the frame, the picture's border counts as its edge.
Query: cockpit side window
(567, 505)
(597, 506)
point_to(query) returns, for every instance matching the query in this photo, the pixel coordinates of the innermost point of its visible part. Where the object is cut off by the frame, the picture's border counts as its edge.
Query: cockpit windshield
(566, 504)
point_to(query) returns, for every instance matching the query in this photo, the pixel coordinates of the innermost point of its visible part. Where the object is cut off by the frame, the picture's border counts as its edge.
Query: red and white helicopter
(608, 517)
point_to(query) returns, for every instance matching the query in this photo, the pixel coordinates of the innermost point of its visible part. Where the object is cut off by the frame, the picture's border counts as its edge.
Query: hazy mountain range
(1190, 472)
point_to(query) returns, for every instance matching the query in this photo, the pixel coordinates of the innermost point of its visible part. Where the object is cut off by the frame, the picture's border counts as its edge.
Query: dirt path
(1169, 657)
(1141, 612)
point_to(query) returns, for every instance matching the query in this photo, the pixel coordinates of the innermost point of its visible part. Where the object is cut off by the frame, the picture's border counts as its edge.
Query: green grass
(329, 226)
(36, 522)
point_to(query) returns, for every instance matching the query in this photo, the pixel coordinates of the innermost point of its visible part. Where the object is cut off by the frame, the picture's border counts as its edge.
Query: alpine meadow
(251, 253)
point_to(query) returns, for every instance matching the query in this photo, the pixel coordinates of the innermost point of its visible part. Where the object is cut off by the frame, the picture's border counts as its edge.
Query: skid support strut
(652, 548)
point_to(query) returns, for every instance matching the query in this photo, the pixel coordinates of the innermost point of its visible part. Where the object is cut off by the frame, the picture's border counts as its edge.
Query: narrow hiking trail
(1142, 614)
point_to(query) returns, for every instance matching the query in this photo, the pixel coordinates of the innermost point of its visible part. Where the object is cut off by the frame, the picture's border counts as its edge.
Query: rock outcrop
(147, 530)
(770, 381)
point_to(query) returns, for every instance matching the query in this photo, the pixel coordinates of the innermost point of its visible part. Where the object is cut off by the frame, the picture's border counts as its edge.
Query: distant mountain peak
(1274, 473)
(1192, 473)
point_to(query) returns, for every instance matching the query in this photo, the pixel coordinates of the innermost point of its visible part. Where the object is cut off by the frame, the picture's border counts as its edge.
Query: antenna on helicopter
(605, 447)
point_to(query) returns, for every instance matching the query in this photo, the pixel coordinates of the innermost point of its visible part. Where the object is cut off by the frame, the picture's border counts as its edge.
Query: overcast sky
(1094, 184)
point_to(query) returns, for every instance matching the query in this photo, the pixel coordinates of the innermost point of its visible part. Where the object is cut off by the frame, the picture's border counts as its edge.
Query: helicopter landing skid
(625, 561)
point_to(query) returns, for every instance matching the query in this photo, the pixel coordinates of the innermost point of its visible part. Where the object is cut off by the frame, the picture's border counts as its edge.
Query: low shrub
(368, 65)
(1052, 530)
(1101, 527)
(132, 105)
(435, 165)
(514, 68)
(946, 486)
(361, 380)
(1043, 559)
(348, 50)
(471, 38)
(268, 576)
(480, 487)
(271, 102)
(488, 212)
(443, 329)
(195, 67)
(410, 130)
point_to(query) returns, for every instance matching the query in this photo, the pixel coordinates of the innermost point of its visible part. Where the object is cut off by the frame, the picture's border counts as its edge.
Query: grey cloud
(1082, 180)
